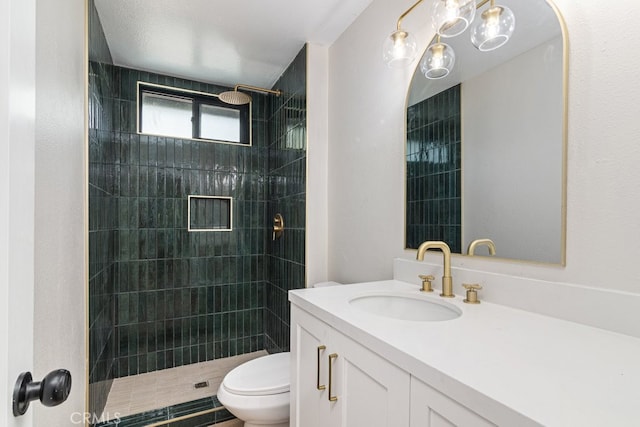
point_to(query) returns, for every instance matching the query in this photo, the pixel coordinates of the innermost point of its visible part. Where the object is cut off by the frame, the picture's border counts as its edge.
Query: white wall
(512, 156)
(317, 117)
(60, 264)
(17, 145)
(366, 127)
(366, 124)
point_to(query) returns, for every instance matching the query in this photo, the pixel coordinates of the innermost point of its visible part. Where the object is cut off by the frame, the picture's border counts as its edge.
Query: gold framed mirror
(486, 145)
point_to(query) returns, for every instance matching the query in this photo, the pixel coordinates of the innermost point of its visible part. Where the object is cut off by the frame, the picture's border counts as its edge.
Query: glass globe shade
(399, 49)
(452, 17)
(438, 61)
(494, 29)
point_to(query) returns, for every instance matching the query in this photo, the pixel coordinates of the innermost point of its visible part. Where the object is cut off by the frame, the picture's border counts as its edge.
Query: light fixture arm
(408, 11)
(258, 89)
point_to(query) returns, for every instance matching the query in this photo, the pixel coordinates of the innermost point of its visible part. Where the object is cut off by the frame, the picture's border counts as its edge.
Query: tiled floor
(144, 392)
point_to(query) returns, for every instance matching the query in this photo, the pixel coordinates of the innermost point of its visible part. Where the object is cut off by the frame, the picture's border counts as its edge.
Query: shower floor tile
(154, 390)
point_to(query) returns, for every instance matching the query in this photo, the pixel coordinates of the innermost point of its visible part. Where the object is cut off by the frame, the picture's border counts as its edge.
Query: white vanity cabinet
(337, 382)
(430, 408)
(492, 365)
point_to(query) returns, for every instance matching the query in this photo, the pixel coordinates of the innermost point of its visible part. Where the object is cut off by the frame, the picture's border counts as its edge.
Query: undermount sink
(406, 307)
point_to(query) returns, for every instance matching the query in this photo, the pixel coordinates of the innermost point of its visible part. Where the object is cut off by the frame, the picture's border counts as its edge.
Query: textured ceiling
(225, 42)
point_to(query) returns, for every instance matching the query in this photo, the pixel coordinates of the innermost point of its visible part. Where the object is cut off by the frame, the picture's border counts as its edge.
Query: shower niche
(210, 213)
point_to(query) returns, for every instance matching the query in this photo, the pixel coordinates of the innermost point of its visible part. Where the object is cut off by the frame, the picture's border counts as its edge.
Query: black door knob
(51, 391)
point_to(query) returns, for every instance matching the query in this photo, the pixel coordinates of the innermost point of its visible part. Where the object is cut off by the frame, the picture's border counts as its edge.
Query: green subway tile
(154, 175)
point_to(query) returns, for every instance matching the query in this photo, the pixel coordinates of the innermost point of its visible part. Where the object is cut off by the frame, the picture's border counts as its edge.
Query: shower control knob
(51, 391)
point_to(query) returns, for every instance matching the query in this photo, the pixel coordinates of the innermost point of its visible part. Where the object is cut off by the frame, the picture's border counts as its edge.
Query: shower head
(234, 97)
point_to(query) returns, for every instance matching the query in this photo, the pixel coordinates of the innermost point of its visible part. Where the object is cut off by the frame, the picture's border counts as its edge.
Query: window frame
(197, 99)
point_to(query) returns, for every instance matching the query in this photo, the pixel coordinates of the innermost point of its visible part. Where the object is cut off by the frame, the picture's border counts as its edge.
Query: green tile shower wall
(159, 296)
(102, 219)
(287, 194)
(186, 297)
(434, 170)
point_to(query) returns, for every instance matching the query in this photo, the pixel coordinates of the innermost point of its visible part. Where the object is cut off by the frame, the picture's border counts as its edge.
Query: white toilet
(257, 392)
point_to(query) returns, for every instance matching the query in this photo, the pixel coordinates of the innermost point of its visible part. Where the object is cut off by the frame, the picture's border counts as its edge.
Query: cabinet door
(336, 382)
(430, 408)
(310, 406)
(370, 390)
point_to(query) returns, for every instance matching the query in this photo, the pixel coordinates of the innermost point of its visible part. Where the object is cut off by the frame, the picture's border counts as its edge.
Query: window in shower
(187, 114)
(210, 213)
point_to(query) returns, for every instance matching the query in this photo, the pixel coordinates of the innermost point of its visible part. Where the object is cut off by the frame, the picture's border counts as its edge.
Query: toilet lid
(258, 377)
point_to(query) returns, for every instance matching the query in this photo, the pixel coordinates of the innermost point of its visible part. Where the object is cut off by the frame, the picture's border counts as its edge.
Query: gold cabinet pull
(332, 357)
(318, 385)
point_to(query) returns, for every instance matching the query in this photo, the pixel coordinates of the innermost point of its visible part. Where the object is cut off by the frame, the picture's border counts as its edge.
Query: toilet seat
(264, 376)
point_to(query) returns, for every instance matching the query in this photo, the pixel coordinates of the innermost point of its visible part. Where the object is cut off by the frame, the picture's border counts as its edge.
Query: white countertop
(495, 359)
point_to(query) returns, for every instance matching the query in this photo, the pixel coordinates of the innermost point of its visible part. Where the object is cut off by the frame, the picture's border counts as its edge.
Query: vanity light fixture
(438, 61)
(494, 29)
(400, 48)
(450, 18)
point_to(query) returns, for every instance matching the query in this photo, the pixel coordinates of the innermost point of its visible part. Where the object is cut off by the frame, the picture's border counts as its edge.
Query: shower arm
(258, 89)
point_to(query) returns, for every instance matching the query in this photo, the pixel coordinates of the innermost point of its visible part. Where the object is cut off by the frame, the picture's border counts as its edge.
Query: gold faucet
(479, 242)
(447, 282)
